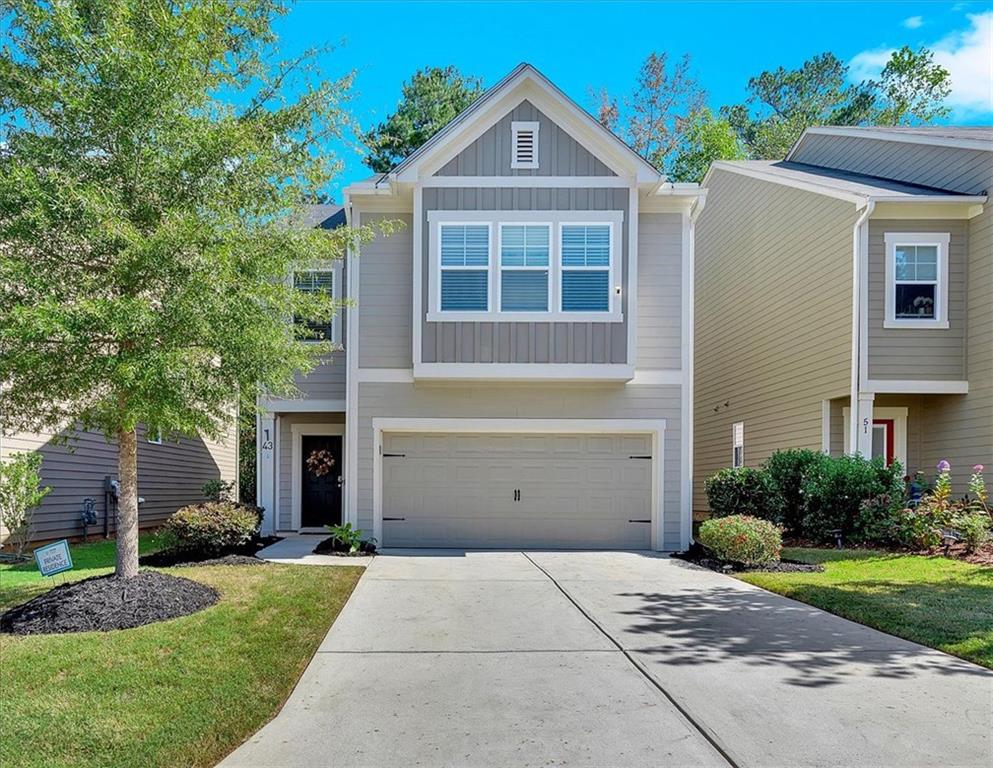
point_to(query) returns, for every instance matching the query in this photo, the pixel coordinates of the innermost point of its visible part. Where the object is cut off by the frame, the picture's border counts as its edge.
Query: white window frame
(893, 241)
(500, 268)
(516, 128)
(738, 426)
(438, 218)
(613, 296)
(157, 440)
(335, 268)
(467, 314)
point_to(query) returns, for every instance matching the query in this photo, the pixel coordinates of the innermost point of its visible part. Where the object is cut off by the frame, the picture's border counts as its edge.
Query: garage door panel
(576, 491)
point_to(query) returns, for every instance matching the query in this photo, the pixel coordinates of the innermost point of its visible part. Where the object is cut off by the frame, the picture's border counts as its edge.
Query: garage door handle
(639, 457)
(639, 521)
(393, 519)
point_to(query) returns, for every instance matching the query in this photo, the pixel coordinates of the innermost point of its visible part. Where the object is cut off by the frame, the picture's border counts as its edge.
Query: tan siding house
(518, 358)
(857, 271)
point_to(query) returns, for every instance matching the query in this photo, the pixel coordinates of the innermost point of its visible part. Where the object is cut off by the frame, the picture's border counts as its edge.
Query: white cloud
(968, 56)
(913, 22)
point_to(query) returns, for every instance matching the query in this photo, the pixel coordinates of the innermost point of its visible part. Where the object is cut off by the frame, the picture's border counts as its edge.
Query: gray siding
(327, 380)
(660, 290)
(773, 318)
(917, 353)
(533, 402)
(285, 467)
(957, 170)
(488, 342)
(385, 297)
(169, 476)
(558, 153)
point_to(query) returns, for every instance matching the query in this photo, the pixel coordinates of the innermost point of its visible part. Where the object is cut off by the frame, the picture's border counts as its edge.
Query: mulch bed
(226, 560)
(168, 558)
(105, 603)
(697, 555)
(331, 546)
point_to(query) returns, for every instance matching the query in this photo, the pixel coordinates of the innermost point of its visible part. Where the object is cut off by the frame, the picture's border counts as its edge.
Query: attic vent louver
(525, 145)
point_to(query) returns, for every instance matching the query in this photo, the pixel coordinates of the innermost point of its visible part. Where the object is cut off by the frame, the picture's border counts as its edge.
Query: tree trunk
(127, 509)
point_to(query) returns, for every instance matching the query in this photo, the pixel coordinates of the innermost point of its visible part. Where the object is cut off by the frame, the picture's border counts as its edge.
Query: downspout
(689, 296)
(857, 310)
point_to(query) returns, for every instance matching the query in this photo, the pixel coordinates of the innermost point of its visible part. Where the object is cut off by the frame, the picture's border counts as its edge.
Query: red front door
(882, 439)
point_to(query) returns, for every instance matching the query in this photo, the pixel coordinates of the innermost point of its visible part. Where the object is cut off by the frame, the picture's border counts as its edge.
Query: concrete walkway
(612, 659)
(298, 549)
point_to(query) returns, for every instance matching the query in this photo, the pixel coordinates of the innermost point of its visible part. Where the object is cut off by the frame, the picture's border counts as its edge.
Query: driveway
(612, 659)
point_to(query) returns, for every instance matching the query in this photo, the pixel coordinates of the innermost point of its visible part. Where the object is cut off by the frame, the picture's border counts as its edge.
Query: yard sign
(53, 558)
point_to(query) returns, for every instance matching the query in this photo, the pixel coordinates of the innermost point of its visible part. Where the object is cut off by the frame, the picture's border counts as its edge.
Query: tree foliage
(705, 138)
(20, 492)
(912, 88)
(151, 168)
(430, 100)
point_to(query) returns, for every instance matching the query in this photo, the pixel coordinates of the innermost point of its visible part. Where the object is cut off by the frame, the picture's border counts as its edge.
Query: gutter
(857, 311)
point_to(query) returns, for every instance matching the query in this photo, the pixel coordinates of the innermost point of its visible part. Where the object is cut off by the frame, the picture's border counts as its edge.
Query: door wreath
(321, 462)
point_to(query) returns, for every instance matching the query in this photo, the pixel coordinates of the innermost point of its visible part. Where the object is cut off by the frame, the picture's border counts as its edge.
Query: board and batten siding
(773, 318)
(471, 401)
(967, 171)
(170, 476)
(917, 353)
(660, 291)
(558, 153)
(285, 468)
(532, 342)
(385, 295)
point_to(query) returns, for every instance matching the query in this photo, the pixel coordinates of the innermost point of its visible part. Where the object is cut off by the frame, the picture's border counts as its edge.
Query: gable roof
(961, 137)
(853, 187)
(479, 110)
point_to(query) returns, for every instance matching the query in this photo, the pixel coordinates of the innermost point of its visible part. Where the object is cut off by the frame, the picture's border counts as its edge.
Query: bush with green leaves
(348, 537)
(742, 539)
(835, 490)
(20, 492)
(740, 491)
(217, 527)
(787, 470)
(218, 490)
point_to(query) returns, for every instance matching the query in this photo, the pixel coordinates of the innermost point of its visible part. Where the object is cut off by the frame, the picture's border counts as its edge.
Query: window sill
(938, 324)
(525, 317)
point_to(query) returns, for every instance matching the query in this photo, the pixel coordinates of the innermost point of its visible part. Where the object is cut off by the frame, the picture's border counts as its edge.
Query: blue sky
(580, 45)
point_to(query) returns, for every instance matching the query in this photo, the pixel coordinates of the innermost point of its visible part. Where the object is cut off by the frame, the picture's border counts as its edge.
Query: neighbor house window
(524, 267)
(738, 444)
(916, 280)
(586, 263)
(465, 267)
(316, 281)
(155, 438)
(524, 144)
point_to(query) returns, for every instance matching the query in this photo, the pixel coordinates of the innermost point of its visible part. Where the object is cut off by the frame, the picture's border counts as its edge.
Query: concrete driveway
(612, 659)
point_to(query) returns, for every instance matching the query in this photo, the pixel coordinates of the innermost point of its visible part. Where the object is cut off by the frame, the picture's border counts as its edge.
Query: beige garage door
(560, 491)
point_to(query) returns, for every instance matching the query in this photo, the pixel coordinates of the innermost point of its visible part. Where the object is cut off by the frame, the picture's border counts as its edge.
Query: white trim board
(654, 427)
(303, 405)
(916, 387)
(297, 431)
(524, 372)
(528, 182)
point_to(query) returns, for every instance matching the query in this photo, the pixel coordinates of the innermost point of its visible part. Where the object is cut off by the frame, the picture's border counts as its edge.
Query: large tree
(783, 102)
(430, 100)
(705, 139)
(152, 161)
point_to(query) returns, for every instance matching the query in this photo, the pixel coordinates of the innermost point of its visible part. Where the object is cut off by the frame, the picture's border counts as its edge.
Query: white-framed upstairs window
(587, 267)
(738, 444)
(525, 267)
(318, 280)
(524, 144)
(916, 280)
(464, 264)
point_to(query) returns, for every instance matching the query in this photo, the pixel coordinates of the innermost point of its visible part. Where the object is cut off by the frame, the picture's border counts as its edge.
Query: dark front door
(320, 492)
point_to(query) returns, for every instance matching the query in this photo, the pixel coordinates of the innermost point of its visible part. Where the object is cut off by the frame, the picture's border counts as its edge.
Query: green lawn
(936, 601)
(180, 693)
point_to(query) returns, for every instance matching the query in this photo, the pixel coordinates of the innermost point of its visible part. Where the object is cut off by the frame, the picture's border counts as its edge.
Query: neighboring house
(845, 301)
(517, 365)
(170, 475)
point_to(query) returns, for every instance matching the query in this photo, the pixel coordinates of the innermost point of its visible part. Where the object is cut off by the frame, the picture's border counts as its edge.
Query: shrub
(212, 527)
(218, 490)
(836, 488)
(742, 491)
(882, 520)
(742, 539)
(974, 528)
(20, 493)
(787, 470)
(350, 538)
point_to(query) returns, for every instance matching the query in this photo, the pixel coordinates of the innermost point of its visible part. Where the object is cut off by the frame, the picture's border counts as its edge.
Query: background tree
(706, 138)
(152, 161)
(429, 102)
(912, 89)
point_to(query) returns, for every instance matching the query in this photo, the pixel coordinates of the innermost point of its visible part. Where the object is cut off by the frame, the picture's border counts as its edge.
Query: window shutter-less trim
(586, 267)
(465, 262)
(524, 152)
(316, 281)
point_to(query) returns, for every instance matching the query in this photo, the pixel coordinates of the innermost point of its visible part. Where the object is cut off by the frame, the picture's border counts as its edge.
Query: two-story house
(845, 302)
(517, 364)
